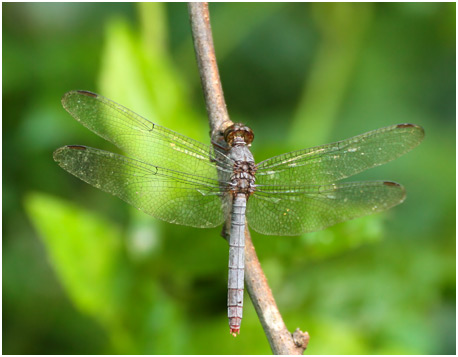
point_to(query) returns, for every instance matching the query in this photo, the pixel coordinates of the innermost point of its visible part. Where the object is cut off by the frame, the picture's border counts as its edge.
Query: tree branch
(208, 68)
(280, 339)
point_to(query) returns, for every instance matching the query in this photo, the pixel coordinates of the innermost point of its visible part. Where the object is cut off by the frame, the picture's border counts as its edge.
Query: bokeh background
(84, 273)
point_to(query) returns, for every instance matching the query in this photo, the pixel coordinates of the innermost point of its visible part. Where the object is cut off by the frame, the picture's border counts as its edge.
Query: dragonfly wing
(142, 138)
(333, 162)
(169, 195)
(281, 210)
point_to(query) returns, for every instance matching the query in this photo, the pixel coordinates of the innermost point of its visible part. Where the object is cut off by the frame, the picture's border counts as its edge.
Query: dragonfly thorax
(243, 178)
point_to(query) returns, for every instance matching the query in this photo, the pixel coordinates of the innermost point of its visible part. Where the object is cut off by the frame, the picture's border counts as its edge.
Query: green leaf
(83, 248)
(86, 253)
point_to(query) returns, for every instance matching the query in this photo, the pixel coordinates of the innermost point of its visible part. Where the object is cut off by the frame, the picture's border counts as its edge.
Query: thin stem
(208, 68)
(280, 339)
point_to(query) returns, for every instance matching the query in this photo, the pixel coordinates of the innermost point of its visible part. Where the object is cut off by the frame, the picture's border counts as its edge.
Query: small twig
(280, 339)
(208, 68)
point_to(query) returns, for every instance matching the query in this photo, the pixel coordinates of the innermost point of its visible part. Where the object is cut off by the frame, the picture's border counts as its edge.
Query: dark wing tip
(416, 131)
(76, 147)
(57, 153)
(413, 126)
(406, 125)
(70, 96)
(390, 183)
(398, 187)
(87, 93)
(82, 92)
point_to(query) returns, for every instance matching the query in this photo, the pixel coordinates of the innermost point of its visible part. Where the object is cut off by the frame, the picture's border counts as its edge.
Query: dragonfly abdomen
(236, 263)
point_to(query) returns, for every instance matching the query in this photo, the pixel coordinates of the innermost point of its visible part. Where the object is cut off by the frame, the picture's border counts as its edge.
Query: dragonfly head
(237, 134)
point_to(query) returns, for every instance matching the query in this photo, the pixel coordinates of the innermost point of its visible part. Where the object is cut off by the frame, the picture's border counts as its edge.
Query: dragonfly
(180, 180)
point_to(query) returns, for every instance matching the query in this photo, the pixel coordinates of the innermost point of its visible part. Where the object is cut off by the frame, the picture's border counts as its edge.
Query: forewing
(141, 138)
(281, 210)
(168, 195)
(333, 162)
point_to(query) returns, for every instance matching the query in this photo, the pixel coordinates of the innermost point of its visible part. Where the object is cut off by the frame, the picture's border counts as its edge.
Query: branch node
(301, 339)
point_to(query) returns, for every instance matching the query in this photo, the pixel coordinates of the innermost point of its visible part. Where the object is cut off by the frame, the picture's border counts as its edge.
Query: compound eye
(248, 136)
(229, 134)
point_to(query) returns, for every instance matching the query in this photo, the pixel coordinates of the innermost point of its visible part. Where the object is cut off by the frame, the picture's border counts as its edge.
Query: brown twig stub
(301, 339)
(280, 339)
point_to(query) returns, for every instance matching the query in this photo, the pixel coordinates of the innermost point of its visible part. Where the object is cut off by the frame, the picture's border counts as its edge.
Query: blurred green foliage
(85, 273)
